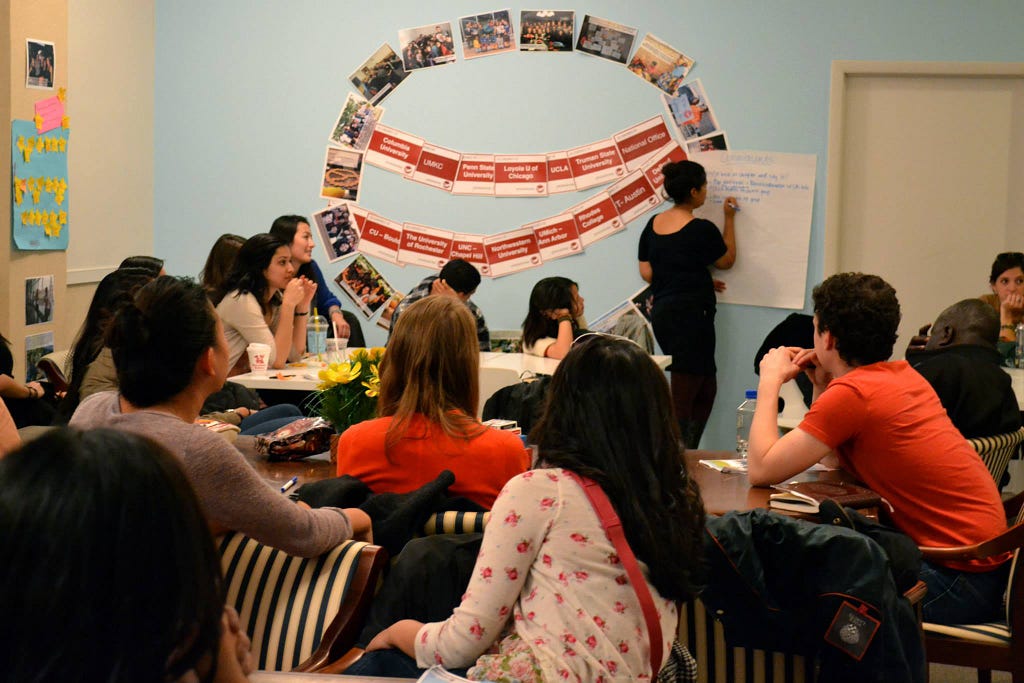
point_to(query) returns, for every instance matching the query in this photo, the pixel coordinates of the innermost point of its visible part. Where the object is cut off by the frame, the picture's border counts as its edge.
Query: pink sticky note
(52, 111)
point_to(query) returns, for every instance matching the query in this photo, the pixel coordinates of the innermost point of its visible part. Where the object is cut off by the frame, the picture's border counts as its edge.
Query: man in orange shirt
(884, 423)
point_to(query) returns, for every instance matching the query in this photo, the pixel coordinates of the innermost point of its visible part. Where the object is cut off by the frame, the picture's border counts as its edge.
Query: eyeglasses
(590, 336)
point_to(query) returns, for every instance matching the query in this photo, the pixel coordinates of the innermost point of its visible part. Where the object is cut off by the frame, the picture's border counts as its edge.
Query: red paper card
(471, 248)
(557, 236)
(596, 164)
(380, 237)
(596, 218)
(425, 246)
(512, 251)
(639, 144)
(394, 150)
(652, 169)
(560, 173)
(475, 175)
(437, 167)
(633, 196)
(521, 176)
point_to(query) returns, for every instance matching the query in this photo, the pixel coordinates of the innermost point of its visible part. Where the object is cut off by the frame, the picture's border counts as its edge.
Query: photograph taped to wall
(39, 300)
(355, 123)
(712, 143)
(40, 58)
(487, 34)
(644, 302)
(690, 110)
(546, 30)
(338, 232)
(379, 75)
(364, 284)
(36, 346)
(606, 39)
(660, 64)
(426, 46)
(343, 173)
(388, 312)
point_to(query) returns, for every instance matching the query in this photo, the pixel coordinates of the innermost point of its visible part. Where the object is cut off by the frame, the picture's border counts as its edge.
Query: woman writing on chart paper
(263, 301)
(676, 251)
(296, 232)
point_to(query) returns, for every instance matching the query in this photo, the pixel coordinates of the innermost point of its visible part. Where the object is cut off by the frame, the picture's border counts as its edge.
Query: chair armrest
(338, 666)
(1009, 540)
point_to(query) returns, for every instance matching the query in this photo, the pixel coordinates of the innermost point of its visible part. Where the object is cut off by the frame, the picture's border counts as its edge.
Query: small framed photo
(39, 64)
(427, 46)
(39, 300)
(546, 30)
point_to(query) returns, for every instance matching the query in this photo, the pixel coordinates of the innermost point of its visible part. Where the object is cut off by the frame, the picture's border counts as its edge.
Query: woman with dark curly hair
(549, 596)
(1007, 297)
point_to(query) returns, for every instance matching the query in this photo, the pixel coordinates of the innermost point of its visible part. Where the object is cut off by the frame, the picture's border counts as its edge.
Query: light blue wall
(247, 91)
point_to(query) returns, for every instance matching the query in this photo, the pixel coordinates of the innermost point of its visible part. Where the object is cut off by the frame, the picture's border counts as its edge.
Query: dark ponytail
(683, 177)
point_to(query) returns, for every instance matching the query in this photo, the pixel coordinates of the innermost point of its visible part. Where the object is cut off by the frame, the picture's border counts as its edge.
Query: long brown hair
(432, 368)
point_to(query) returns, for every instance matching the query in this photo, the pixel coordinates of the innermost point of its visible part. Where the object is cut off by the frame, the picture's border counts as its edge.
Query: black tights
(692, 397)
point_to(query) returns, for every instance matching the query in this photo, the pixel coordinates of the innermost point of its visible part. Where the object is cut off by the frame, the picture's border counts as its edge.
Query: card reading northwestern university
(471, 248)
(557, 236)
(596, 218)
(521, 175)
(425, 246)
(559, 173)
(394, 150)
(381, 237)
(633, 196)
(652, 169)
(596, 164)
(512, 251)
(639, 144)
(437, 167)
(475, 175)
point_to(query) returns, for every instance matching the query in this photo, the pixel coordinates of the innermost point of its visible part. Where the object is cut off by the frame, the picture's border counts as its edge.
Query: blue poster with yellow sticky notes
(39, 201)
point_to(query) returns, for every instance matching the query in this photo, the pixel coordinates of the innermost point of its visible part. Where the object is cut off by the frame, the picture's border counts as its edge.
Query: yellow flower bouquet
(348, 391)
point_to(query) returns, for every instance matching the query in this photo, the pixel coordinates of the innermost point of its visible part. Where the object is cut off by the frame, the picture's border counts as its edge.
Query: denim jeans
(269, 419)
(389, 664)
(956, 597)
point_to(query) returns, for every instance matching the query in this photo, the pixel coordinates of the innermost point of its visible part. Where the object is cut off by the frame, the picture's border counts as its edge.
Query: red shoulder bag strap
(613, 529)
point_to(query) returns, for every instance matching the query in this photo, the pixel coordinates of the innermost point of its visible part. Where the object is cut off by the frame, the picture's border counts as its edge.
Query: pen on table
(288, 484)
(733, 206)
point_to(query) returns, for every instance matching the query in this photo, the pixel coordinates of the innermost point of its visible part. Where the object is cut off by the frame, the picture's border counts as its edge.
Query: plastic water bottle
(316, 336)
(1019, 356)
(744, 417)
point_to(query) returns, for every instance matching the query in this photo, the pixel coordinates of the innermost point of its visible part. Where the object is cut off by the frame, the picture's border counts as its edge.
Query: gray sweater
(230, 491)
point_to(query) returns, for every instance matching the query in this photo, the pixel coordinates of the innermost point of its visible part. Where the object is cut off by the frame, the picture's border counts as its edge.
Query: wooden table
(308, 470)
(730, 491)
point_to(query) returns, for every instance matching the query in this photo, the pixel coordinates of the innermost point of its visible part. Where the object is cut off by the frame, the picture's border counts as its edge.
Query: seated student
(888, 428)
(429, 386)
(262, 301)
(219, 263)
(109, 571)
(9, 437)
(28, 403)
(551, 597)
(458, 278)
(170, 354)
(295, 231)
(1007, 299)
(555, 318)
(151, 264)
(961, 363)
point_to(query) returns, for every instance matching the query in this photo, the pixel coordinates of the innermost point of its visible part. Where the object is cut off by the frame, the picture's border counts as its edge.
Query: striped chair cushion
(285, 603)
(456, 523)
(718, 662)
(996, 451)
(992, 634)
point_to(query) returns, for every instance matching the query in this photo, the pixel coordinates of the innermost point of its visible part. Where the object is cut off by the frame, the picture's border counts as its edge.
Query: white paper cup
(337, 349)
(259, 358)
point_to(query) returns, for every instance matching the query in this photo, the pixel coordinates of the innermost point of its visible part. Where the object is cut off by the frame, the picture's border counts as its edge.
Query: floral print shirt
(547, 564)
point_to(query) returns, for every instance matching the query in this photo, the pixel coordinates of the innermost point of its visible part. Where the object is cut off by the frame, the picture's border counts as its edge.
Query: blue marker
(288, 484)
(733, 206)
